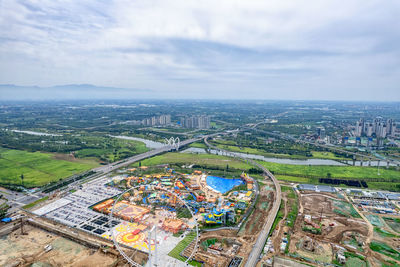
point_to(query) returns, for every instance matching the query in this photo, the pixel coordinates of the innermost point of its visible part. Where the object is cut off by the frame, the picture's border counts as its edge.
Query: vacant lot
(37, 168)
(28, 250)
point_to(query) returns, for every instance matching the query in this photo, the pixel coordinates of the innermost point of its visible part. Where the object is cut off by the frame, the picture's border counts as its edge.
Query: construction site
(322, 225)
(33, 241)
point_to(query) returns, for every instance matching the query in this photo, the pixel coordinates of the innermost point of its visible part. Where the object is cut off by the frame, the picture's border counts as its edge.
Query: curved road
(262, 237)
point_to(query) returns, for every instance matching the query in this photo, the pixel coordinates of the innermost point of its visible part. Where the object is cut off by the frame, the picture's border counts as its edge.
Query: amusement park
(150, 212)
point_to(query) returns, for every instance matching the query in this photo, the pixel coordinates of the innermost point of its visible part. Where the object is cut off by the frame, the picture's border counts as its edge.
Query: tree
(22, 179)
(329, 175)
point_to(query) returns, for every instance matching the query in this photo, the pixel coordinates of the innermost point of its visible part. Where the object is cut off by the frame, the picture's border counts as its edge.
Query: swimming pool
(222, 185)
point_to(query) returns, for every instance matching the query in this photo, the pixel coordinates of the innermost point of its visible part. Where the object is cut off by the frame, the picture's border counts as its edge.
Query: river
(327, 162)
(36, 133)
(149, 143)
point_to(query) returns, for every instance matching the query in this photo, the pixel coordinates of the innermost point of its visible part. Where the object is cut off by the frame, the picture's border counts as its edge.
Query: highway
(263, 235)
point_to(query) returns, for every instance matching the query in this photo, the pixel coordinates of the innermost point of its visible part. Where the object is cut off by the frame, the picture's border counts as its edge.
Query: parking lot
(73, 209)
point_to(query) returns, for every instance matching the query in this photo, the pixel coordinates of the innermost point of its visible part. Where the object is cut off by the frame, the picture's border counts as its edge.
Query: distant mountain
(70, 91)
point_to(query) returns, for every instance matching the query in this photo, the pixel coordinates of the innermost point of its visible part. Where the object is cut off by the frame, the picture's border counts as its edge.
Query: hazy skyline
(317, 50)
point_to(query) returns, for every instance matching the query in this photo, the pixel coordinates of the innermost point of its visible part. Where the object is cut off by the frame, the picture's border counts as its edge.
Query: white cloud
(270, 46)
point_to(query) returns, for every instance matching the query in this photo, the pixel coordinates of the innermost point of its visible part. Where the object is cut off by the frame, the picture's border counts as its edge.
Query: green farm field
(38, 168)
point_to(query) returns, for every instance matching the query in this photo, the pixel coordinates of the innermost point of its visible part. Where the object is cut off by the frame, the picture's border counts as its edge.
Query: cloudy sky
(270, 49)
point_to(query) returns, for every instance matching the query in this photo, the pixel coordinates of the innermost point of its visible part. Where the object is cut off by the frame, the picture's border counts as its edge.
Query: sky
(222, 49)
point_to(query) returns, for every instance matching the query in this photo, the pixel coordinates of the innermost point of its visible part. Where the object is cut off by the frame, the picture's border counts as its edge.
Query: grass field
(334, 171)
(278, 218)
(34, 203)
(385, 250)
(199, 159)
(38, 168)
(374, 220)
(198, 145)
(355, 262)
(294, 179)
(326, 155)
(292, 205)
(181, 246)
(121, 149)
(394, 223)
(345, 208)
(385, 233)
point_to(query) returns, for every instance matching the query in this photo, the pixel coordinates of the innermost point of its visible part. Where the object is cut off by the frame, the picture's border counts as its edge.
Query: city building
(157, 120)
(321, 132)
(378, 127)
(199, 122)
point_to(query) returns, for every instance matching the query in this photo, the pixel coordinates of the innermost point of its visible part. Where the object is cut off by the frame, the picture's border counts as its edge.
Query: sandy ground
(29, 249)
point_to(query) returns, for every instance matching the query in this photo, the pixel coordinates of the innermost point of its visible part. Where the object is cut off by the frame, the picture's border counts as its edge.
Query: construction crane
(22, 226)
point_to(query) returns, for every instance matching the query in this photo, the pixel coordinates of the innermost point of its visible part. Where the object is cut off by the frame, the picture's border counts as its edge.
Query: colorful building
(173, 225)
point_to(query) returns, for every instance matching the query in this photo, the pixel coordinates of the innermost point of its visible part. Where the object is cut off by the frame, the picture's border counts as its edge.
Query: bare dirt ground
(212, 259)
(28, 249)
(335, 228)
(256, 220)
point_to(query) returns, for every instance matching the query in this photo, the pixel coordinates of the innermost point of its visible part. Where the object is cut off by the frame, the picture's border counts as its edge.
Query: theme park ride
(153, 244)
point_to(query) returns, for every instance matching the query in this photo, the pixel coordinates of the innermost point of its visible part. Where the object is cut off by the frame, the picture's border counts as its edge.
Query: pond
(222, 185)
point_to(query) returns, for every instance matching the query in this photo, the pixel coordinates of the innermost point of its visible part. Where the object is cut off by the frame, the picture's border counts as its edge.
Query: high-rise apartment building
(157, 120)
(200, 122)
(379, 127)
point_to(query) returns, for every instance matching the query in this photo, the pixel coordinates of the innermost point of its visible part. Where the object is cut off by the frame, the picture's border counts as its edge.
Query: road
(17, 199)
(262, 237)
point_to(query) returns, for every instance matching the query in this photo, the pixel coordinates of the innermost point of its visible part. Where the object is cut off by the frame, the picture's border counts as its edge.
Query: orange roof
(173, 223)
